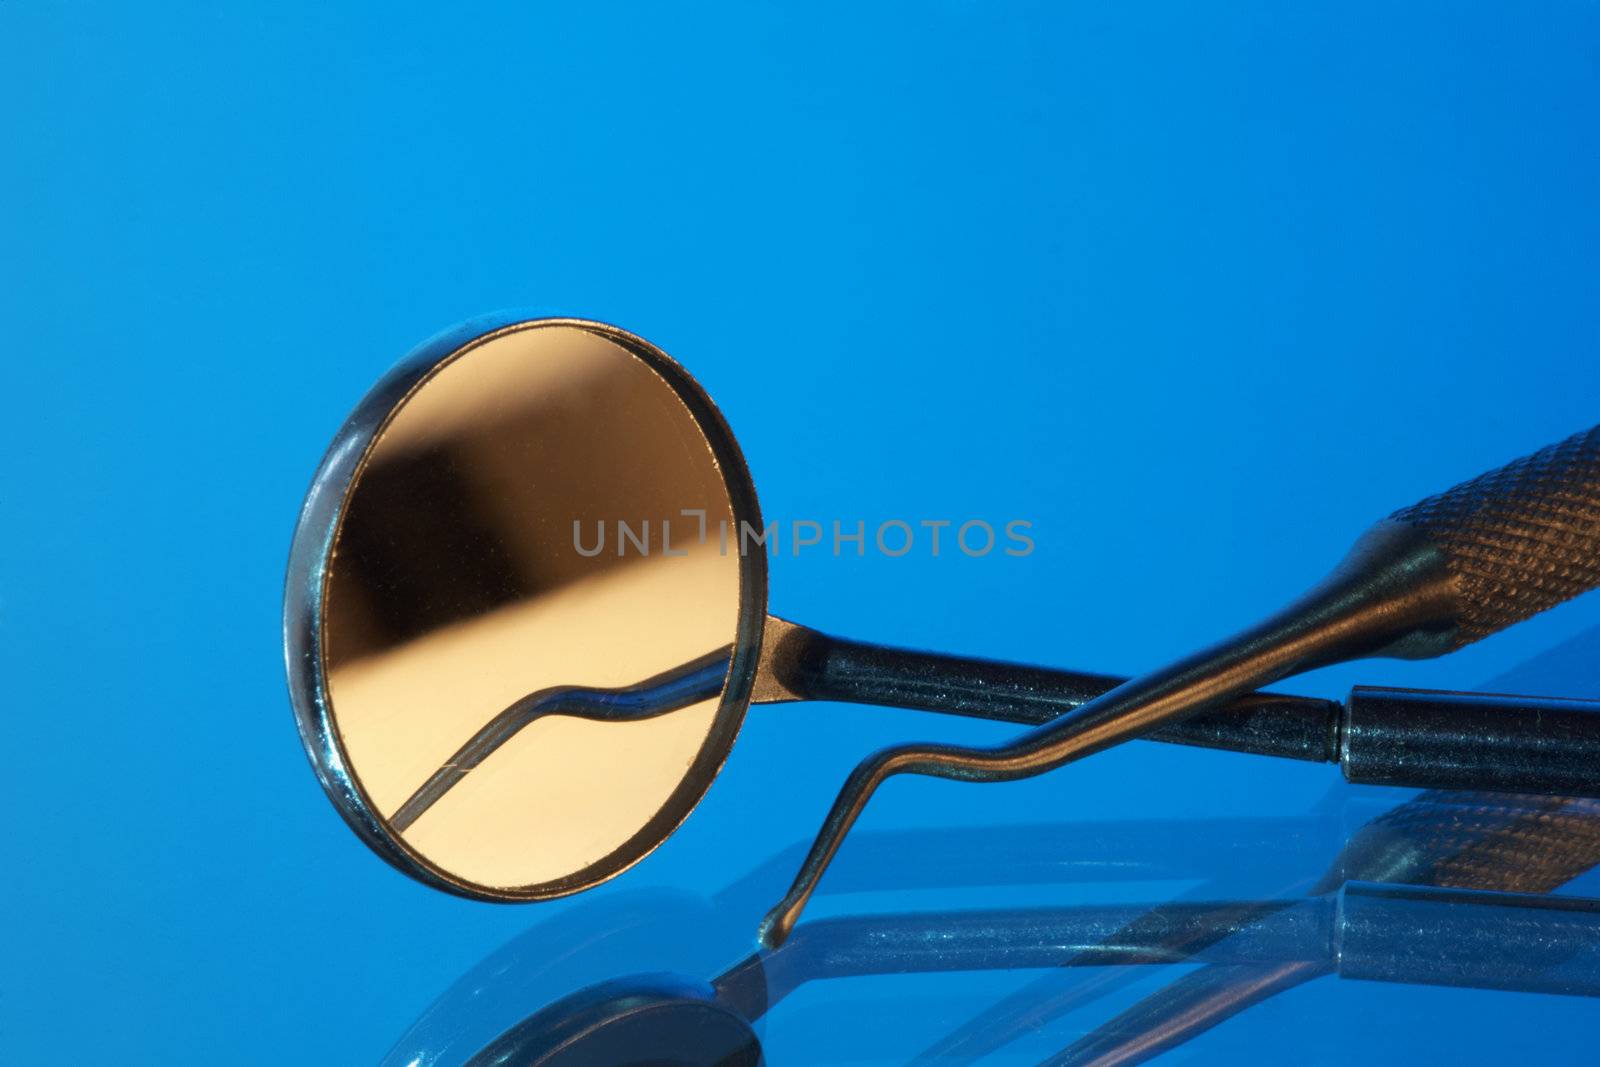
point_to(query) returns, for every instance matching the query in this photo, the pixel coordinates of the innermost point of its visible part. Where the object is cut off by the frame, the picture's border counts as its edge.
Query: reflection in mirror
(516, 701)
(677, 688)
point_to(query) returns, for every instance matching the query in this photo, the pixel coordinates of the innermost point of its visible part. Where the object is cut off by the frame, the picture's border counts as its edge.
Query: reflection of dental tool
(1488, 924)
(1538, 849)
(1485, 841)
(1420, 935)
(698, 680)
(1431, 578)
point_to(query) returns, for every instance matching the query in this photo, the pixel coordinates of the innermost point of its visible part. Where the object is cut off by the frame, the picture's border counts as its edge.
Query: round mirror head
(520, 636)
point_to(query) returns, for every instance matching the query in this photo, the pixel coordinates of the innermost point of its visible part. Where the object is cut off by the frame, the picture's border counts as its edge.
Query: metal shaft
(1393, 595)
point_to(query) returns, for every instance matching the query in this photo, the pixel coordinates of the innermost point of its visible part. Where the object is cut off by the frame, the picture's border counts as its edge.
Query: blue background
(1198, 292)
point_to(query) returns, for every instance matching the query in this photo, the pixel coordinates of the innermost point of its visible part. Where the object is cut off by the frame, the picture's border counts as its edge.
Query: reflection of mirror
(523, 624)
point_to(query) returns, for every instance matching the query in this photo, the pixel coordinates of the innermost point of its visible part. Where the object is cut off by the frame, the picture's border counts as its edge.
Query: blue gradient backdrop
(1199, 292)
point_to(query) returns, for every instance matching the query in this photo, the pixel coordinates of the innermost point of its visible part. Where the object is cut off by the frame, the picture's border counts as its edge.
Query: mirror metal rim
(305, 593)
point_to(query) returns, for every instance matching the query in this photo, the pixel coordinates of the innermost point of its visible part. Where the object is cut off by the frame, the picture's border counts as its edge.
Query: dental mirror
(525, 616)
(438, 604)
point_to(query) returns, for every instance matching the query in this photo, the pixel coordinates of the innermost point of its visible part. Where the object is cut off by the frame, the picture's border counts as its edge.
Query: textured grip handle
(1519, 539)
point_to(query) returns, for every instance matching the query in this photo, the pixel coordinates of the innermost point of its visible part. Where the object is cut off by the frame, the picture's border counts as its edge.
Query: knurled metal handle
(1520, 539)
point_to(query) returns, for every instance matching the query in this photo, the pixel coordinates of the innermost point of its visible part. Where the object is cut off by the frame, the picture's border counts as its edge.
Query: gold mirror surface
(465, 577)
